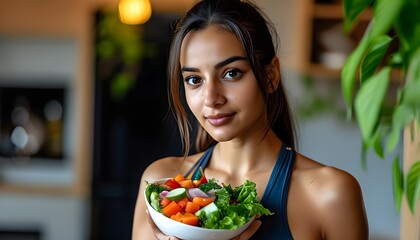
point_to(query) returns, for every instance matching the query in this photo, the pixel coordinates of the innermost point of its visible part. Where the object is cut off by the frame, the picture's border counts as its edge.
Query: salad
(205, 203)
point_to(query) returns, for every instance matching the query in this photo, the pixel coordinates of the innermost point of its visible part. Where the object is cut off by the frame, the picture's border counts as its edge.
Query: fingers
(249, 231)
(158, 234)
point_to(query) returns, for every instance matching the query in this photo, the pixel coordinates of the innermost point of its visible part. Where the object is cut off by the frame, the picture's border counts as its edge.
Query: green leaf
(211, 184)
(374, 55)
(385, 13)
(408, 26)
(377, 142)
(349, 73)
(396, 60)
(413, 72)
(413, 185)
(403, 115)
(398, 183)
(352, 9)
(411, 94)
(369, 100)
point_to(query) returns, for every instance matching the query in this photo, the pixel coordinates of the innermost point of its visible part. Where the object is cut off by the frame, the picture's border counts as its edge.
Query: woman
(223, 61)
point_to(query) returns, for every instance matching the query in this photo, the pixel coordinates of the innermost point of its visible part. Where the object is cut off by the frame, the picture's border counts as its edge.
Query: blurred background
(83, 111)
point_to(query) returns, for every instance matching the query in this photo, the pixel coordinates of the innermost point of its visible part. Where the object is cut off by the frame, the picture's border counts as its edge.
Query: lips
(220, 119)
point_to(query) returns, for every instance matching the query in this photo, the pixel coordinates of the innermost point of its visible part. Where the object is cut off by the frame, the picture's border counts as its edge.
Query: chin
(221, 137)
(221, 134)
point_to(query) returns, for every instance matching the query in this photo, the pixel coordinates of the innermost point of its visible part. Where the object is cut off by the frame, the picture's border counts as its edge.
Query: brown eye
(233, 74)
(192, 80)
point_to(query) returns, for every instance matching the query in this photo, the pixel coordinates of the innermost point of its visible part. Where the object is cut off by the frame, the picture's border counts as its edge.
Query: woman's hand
(158, 234)
(251, 230)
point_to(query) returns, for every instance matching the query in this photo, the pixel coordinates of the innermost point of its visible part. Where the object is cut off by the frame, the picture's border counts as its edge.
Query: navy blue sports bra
(274, 197)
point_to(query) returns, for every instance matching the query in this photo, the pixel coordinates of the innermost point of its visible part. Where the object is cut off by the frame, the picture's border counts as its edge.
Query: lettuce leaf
(151, 187)
(236, 207)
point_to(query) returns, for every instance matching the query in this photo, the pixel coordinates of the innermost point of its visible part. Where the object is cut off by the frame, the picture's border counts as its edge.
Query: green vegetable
(247, 192)
(154, 201)
(177, 194)
(153, 188)
(207, 210)
(235, 206)
(210, 185)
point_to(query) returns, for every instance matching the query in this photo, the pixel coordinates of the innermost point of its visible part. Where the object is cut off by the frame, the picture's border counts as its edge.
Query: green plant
(320, 97)
(382, 116)
(119, 49)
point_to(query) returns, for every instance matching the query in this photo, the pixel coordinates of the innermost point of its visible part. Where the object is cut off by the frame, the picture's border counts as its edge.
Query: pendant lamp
(134, 11)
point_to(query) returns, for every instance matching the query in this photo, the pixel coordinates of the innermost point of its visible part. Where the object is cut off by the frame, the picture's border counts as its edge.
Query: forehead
(212, 44)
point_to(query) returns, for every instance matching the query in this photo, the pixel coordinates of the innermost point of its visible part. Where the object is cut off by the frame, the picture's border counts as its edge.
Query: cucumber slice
(207, 210)
(154, 201)
(177, 194)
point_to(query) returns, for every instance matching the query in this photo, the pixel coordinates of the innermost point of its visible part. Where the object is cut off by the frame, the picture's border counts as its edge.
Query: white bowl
(188, 232)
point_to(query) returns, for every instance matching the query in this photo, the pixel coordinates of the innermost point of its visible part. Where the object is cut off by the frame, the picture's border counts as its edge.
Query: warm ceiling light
(134, 11)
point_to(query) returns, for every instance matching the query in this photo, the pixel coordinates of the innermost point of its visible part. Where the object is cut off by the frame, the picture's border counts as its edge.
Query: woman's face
(220, 86)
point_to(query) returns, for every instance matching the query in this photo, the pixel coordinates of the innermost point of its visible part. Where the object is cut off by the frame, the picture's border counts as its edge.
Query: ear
(273, 73)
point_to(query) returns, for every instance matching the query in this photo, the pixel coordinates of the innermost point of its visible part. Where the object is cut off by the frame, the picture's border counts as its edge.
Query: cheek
(193, 102)
(248, 95)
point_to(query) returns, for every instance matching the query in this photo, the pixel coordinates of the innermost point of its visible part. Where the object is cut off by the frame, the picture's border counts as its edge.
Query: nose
(213, 94)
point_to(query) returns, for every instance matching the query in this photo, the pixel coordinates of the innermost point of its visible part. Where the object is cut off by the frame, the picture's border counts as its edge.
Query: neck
(242, 158)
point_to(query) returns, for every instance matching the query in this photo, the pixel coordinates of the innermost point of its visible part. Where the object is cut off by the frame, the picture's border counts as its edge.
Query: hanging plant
(369, 82)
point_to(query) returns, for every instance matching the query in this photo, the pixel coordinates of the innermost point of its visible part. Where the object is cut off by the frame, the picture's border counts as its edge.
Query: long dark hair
(260, 42)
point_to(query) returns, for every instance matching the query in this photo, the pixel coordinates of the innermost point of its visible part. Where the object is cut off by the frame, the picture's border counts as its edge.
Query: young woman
(223, 63)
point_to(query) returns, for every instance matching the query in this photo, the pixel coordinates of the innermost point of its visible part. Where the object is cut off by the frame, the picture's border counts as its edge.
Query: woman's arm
(141, 229)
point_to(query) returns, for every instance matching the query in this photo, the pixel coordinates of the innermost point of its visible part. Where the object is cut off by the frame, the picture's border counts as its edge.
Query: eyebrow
(218, 65)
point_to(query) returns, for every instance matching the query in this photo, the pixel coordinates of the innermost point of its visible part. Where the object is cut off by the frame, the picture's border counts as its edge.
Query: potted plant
(374, 74)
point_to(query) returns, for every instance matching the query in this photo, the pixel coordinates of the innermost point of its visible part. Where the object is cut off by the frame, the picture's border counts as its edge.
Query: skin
(222, 93)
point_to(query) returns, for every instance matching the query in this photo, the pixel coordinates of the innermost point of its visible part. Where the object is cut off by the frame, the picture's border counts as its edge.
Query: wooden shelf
(328, 11)
(322, 25)
(335, 11)
(38, 189)
(324, 71)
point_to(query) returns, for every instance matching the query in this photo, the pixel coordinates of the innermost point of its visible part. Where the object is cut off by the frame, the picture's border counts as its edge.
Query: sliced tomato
(202, 180)
(172, 184)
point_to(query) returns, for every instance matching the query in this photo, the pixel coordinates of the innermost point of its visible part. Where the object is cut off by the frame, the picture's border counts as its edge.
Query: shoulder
(337, 189)
(334, 182)
(336, 198)
(169, 166)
